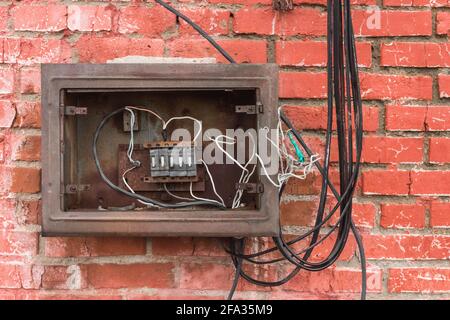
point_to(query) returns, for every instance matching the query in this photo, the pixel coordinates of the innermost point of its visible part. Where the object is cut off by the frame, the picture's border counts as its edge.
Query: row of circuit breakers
(172, 160)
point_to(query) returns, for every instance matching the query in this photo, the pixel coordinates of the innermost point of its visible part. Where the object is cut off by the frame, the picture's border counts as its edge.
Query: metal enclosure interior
(76, 97)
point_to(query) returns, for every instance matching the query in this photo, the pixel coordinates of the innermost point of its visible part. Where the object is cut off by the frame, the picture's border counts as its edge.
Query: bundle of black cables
(344, 98)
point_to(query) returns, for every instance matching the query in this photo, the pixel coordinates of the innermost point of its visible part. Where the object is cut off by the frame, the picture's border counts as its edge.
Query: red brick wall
(402, 204)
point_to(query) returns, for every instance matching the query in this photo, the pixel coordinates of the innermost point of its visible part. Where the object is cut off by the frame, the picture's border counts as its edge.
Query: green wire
(299, 153)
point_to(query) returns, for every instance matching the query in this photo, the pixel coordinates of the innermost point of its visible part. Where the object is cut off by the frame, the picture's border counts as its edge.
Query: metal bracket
(74, 188)
(250, 109)
(72, 110)
(127, 122)
(250, 187)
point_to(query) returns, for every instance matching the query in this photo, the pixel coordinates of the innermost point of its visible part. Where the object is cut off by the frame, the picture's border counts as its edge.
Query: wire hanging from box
(344, 98)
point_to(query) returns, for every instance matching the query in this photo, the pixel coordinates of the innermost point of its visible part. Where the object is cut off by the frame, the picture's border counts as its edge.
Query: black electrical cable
(130, 194)
(238, 246)
(198, 29)
(330, 185)
(343, 89)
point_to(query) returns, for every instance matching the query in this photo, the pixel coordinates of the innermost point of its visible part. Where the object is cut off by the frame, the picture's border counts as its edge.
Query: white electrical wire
(175, 196)
(245, 176)
(287, 171)
(149, 111)
(165, 124)
(217, 142)
(131, 143)
(130, 150)
(213, 185)
(292, 165)
(131, 189)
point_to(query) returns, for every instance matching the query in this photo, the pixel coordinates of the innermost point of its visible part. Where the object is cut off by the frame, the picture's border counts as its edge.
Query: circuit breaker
(114, 160)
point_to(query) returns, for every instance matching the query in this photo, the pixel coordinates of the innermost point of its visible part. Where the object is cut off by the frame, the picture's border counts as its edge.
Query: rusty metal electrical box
(124, 123)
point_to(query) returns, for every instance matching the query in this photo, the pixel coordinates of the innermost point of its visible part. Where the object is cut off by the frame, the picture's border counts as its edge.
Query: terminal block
(171, 160)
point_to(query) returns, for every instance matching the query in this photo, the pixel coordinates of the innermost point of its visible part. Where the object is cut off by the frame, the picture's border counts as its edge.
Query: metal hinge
(250, 109)
(250, 187)
(72, 110)
(74, 188)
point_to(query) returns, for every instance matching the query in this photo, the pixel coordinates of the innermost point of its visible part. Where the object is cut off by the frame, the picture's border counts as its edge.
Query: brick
(443, 23)
(172, 296)
(363, 214)
(324, 2)
(243, 51)
(415, 54)
(28, 115)
(439, 214)
(417, 118)
(444, 85)
(8, 220)
(30, 80)
(402, 216)
(28, 211)
(32, 51)
(10, 276)
(4, 147)
(439, 150)
(100, 49)
(430, 182)
(392, 23)
(388, 182)
(204, 276)
(333, 173)
(296, 295)
(188, 246)
(246, 2)
(416, 3)
(392, 87)
(335, 280)
(64, 277)
(25, 147)
(315, 117)
(302, 85)
(392, 150)
(407, 247)
(115, 276)
(18, 242)
(94, 247)
(4, 13)
(39, 18)
(419, 280)
(308, 186)
(266, 21)
(317, 146)
(70, 295)
(90, 18)
(322, 250)
(25, 180)
(213, 21)
(406, 118)
(6, 80)
(314, 53)
(298, 213)
(147, 21)
(7, 114)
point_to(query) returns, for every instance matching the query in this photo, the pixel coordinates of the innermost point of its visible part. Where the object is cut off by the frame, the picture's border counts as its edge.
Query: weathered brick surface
(402, 201)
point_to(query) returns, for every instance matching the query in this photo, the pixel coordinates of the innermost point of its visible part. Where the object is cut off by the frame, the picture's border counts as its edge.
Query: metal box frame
(59, 77)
